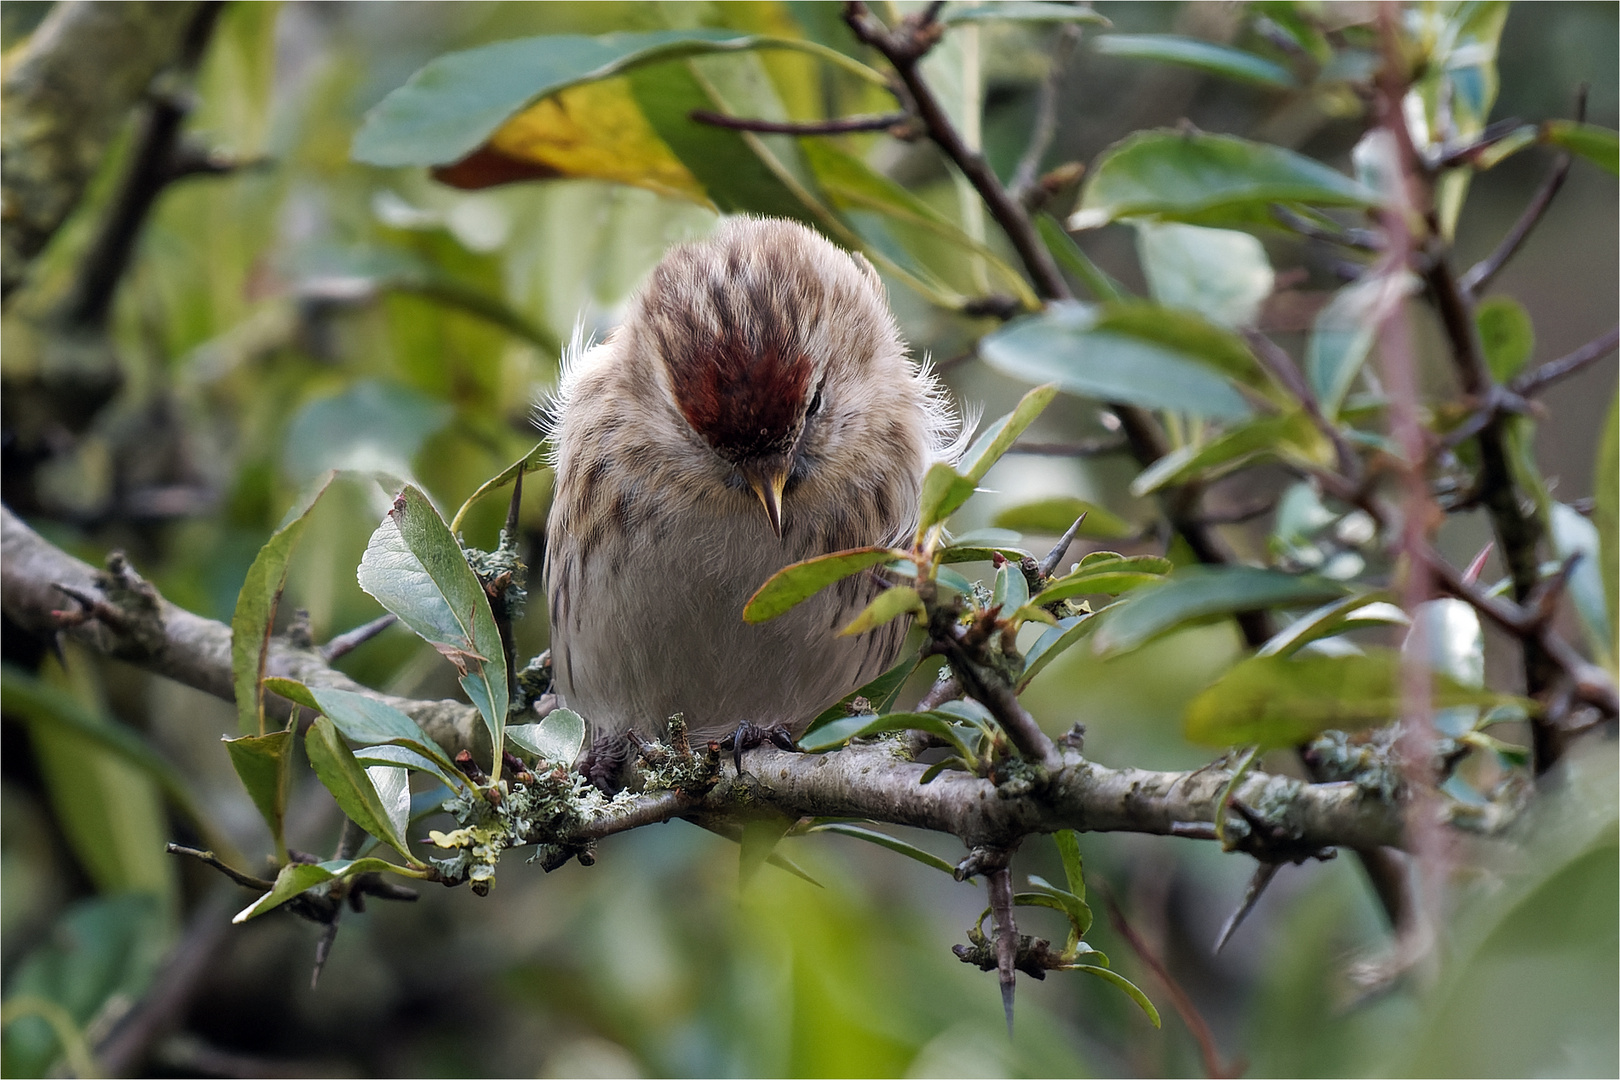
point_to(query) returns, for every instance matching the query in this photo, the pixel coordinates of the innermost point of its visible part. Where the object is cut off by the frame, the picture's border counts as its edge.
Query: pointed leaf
(1078, 911)
(264, 764)
(1113, 575)
(367, 720)
(415, 568)
(1053, 516)
(393, 786)
(1068, 845)
(879, 693)
(1072, 258)
(887, 606)
(1155, 358)
(1207, 180)
(760, 835)
(296, 878)
(255, 612)
(1506, 335)
(1574, 535)
(998, 437)
(943, 491)
(334, 763)
(1222, 274)
(1022, 11)
(534, 460)
(408, 758)
(1011, 590)
(839, 732)
(796, 583)
(1291, 436)
(1274, 701)
(1131, 990)
(1050, 645)
(1201, 593)
(1337, 617)
(557, 738)
(872, 836)
(1343, 336)
(1599, 145)
(1201, 55)
(293, 691)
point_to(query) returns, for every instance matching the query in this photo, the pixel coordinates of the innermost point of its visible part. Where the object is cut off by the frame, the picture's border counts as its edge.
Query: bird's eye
(815, 404)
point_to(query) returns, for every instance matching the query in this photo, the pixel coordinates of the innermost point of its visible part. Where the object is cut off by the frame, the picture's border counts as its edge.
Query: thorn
(1007, 1002)
(510, 532)
(323, 949)
(1054, 557)
(346, 643)
(1251, 895)
(1475, 568)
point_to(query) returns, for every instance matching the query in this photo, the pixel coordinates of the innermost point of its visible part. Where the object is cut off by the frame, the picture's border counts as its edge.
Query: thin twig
(1026, 177)
(1481, 273)
(894, 122)
(245, 880)
(1534, 382)
(1179, 1000)
(347, 642)
(1077, 448)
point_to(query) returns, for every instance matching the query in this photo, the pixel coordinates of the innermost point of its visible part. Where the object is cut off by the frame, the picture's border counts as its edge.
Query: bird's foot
(603, 764)
(748, 736)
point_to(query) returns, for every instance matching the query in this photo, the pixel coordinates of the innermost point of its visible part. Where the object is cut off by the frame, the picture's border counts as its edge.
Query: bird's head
(777, 346)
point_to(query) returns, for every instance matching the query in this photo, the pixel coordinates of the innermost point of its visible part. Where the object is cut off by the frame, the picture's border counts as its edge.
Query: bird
(756, 407)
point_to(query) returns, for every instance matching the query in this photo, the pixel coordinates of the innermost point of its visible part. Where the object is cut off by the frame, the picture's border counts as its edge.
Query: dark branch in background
(158, 159)
(895, 123)
(65, 98)
(1534, 382)
(345, 643)
(1480, 275)
(1078, 448)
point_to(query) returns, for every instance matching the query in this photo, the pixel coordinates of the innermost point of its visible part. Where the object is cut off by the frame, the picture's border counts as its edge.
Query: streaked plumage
(762, 352)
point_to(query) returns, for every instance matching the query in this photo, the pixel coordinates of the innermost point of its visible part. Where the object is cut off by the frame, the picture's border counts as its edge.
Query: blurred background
(303, 312)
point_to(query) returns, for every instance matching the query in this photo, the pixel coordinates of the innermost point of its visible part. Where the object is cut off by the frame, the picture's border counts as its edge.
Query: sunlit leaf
(1011, 589)
(408, 758)
(255, 612)
(1274, 701)
(799, 581)
(1573, 535)
(1291, 436)
(415, 568)
(1111, 575)
(998, 436)
(1197, 594)
(1206, 180)
(557, 737)
(1050, 645)
(944, 490)
(1337, 617)
(393, 785)
(1204, 56)
(1342, 337)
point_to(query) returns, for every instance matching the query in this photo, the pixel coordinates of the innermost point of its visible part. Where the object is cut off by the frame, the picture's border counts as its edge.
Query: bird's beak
(768, 484)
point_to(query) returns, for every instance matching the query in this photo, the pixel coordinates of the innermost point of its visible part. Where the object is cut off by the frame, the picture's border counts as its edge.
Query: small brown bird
(756, 408)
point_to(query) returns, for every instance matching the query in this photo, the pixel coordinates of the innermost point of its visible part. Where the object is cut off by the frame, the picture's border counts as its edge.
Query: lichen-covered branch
(64, 99)
(876, 781)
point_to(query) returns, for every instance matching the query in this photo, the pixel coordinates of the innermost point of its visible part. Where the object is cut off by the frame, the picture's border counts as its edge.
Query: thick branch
(64, 99)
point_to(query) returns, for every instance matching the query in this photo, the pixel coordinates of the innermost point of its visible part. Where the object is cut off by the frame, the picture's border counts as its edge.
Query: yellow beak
(768, 486)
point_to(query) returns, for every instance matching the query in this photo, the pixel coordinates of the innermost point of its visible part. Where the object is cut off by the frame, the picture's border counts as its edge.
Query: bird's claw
(749, 736)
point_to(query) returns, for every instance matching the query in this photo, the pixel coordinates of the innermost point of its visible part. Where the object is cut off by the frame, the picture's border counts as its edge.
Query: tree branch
(1534, 382)
(841, 126)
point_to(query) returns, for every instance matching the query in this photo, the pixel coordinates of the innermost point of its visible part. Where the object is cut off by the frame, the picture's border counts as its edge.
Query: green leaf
(1114, 575)
(534, 460)
(460, 99)
(366, 720)
(1011, 590)
(292, 690)
(370, 427)
(264, 764)
(407, 757)
(1068, 845)
(998, 437)
(255, 612)
(1221, 274)
(1341, 338)
(296, 878)
(1131, 990)
(943, 491)
(1205, 56)
(1606, 516)
(838, 732)
(557, 737)
(1274, 701)
(872, 836)
(415, 568)
(888, 605)
(966, 553)
(879, 693)
(1351, 613)
(1506, 335)
(334, 763)
(1072, 258)
(1054, 515)
(1207, 180)
(1050, 645)
(1599, 145)
(1573, 534)
(1023, 11)
(1069, 346)
(1078, 911)
(796, 583)
(1199, 593)
(393, 784)
(1291, 436)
